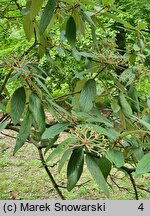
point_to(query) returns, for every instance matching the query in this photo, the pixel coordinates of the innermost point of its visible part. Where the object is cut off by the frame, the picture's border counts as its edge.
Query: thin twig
(7, 135)
(144, 189)
(129, 171)
(100, 71)
(66, 95)
(50, 175)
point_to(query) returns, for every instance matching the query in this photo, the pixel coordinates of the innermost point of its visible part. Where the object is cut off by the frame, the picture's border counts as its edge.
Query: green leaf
(28, 26)
(60, 148)
(24, 132)
(126, 108)
(116, 18)
(87, 96)
(64, 158)
(116, 157)
(40, 83)
(54, 130)
(105, 166)
(88, 17)
(47, 15)
(35, 7)
(50, 143)
(96, 173)
(144, 165)
(82, 116)
(114, 105)
(75, 167)
(144, 121)
(76, 54)
(71, 31)
(79, 86)
(3, 125)
(134, 95)
(54, 113)
(17, 104)
(59, 108)
(37, 111)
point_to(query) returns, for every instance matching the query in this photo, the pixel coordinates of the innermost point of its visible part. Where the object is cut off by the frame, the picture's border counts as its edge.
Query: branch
(49, 174)
(129, 171)
(100, 71)
(66, 95)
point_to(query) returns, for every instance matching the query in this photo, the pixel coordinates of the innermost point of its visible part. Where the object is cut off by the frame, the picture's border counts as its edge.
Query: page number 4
(141, 207)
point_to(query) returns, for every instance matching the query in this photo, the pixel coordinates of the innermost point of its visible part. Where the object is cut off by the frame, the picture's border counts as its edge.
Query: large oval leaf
(64, 158)
(96, 173)
(28, 26)
(126, 108)
(35, 7)
(37, 111)
(47, 15)
(17, 104)
(60, 148)
(116, 157)
(144, 165)
(87, 96)
(105, 166)
(71, 31)
(54, 130)
(24, 132)
(75, 168)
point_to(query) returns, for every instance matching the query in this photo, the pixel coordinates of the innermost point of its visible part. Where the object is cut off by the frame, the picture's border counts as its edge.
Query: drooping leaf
(47, 15)
(144, 123)
(54, 130)
(71, 31)
(37, 111)
(40, 83)
(24, 132)
(28, 26)
(80, 23)
(75, 167)
(91, 118)
(17, 104)
(134, 95)
(115, 106)
(126, 108)
(104, 165)
(60, 148)
(54, 113)
(76, 54)
(64, 158)
(144, 165)
(35, 7)
(119, 20)
(59, 108)
(116, 157)
(88, 17)
(3, 125)
(87, 96)
(96, 173)
(79, 86)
